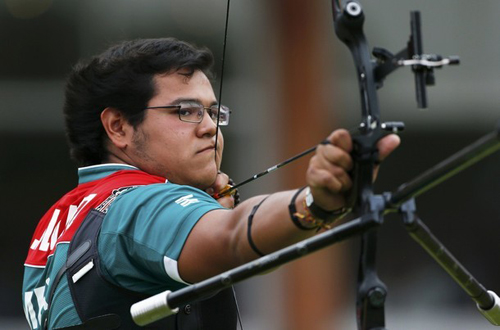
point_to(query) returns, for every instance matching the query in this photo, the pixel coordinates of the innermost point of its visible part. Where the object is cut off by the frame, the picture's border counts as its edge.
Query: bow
(368, 206)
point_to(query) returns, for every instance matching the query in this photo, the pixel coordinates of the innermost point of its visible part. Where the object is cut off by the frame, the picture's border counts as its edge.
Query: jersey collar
(95, 172)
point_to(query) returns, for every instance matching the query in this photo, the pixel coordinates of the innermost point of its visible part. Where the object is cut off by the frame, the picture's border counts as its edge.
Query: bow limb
(348, 21)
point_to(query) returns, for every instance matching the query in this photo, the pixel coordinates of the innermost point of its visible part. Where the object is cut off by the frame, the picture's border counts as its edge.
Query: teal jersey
(140, 242)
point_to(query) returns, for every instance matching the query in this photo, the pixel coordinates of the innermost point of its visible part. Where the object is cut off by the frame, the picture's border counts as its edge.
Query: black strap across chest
(102, 305)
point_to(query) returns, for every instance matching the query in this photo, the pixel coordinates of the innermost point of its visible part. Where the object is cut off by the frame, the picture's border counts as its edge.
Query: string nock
(393, 126)
(227, 190)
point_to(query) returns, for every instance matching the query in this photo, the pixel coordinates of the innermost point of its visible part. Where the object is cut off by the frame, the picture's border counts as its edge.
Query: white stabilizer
(152, 309)
(492, 314)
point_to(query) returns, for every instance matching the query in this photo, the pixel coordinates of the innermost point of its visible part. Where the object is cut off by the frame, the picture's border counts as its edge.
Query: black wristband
(293, 210)
(320, 213)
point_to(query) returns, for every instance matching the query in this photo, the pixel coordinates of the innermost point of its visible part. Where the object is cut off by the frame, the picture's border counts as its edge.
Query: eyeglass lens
(194, 113)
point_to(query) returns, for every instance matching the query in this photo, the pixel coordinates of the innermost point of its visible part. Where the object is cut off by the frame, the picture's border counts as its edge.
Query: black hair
(122, 78)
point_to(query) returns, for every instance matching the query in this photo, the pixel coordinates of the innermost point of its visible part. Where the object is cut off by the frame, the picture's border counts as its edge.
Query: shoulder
(145, 230)
(159, 216)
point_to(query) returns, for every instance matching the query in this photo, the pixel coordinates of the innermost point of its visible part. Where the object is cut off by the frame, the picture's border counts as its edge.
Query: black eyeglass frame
(209, 111)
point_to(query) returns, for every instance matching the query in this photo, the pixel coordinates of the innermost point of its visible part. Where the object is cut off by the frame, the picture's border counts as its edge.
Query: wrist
(320, 213)
(303, 220)
(312, 216)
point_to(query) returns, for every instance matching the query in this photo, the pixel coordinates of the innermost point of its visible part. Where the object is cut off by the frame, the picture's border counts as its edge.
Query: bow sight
(369, 208)
(422, 64)
(349, 28)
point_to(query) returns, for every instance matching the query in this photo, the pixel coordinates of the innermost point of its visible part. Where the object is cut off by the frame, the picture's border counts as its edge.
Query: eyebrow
(183, 99)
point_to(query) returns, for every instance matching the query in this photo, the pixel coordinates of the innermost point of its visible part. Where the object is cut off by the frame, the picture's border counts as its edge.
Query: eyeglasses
(194, 112)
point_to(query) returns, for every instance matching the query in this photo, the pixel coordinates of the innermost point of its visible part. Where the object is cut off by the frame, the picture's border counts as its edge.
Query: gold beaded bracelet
(308, 219)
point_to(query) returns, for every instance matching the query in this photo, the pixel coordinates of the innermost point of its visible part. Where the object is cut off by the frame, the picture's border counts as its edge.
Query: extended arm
(219, 241)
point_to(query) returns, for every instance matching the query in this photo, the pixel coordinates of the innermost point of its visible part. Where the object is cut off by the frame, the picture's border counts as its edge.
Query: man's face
(166, 146)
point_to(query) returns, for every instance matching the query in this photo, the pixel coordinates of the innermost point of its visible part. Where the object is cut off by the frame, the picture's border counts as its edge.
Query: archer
(142, 122)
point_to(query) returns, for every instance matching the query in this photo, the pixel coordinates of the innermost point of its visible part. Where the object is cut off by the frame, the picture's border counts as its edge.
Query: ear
(117, 128)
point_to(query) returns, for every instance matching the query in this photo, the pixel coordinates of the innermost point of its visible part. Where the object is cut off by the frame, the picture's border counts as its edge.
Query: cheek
(169, 133)
(177, 139)
(220, 149)
(220, 141)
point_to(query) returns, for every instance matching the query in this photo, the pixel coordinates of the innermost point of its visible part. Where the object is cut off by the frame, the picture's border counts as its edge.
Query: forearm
(271, 227)
(220, 240)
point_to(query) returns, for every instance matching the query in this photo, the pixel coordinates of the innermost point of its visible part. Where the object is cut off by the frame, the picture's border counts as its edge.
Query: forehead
(172, 86)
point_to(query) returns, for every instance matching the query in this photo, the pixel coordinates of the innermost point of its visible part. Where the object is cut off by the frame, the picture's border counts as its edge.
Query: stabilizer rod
(488, 303)
(454, 164)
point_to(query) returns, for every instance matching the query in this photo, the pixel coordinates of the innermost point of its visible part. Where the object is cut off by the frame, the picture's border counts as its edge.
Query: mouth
(208, 148)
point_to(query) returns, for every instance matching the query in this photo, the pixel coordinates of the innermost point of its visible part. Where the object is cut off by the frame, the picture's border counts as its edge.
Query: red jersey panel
(62, 220)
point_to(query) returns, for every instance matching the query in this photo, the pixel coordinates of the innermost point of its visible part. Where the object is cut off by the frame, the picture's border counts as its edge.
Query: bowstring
(240, 323)
(221, 77)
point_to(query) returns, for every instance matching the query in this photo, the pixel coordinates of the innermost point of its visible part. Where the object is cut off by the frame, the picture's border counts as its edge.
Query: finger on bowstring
(226, 191)
(221, 181)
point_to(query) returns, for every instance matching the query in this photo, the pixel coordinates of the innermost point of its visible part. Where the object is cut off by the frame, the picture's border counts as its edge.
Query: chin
(206, 181)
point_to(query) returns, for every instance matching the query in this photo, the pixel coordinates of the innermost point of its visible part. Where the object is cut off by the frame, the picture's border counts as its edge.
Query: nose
(207, 125)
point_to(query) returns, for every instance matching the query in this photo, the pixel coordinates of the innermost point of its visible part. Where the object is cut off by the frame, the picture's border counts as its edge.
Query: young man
(141, 120)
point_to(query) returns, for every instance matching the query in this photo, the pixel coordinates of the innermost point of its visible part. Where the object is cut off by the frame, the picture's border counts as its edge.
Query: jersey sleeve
(144, 232)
